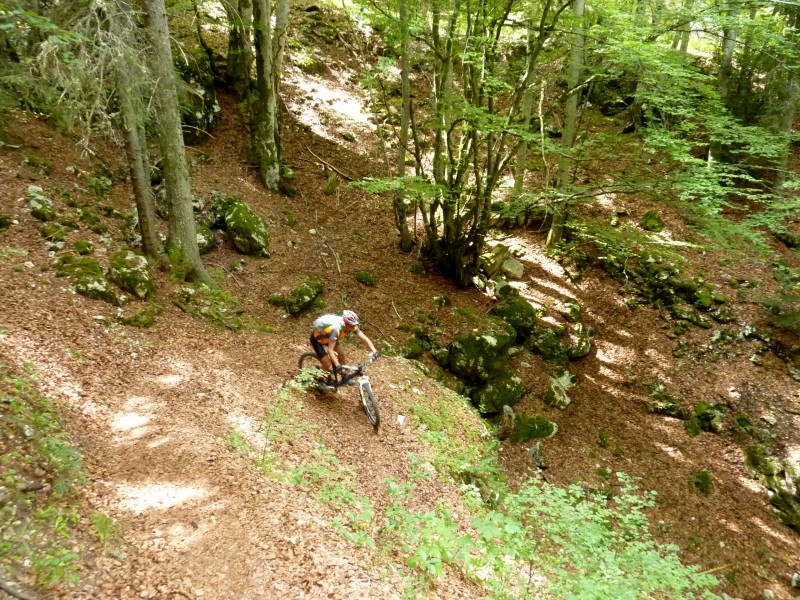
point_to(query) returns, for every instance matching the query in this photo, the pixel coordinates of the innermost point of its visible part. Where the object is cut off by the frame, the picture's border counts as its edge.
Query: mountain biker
(328, 331)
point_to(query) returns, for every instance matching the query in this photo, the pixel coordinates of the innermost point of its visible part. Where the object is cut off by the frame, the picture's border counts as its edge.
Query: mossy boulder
(580, 341)
(132, 273)
(5, 221)
(82, 247)
(492, 262)
(788, 507)
(706, 417)
(528, 428)
(53, 232)
(305, 295)
(247, 230)
(476, 356)
(652, 221)
(365, 278)
(548, 343)
(198, 97)
(205, 239)
(40, 205)
(519, 313)
(557, 396)
(663, 403)
(86, 277)
(503, 389)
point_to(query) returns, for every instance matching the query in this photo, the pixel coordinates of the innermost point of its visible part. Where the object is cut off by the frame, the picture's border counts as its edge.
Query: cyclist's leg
(322, 353)
(340, 354)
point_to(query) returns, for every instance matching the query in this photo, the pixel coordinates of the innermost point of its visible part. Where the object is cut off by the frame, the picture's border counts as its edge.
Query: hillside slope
(154, 410)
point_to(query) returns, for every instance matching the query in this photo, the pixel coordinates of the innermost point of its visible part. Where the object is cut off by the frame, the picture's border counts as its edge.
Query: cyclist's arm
(366, 341)
(332, 354)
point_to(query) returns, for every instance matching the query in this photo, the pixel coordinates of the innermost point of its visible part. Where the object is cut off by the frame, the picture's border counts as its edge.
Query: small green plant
(602, 439)
(365, 278)
(702, 481)
(9, 251)
(106, 528)
(238, 443)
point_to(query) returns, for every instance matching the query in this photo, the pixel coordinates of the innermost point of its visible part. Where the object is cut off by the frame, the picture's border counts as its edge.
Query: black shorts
(318, 348)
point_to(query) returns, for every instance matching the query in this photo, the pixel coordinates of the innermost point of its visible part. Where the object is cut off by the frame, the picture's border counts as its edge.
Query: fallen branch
(395, 311)
(327, 164)
(335, 257)
(14, 593)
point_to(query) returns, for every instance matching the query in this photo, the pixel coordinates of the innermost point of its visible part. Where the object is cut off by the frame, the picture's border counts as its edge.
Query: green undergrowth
(533, 541)
(40, 472)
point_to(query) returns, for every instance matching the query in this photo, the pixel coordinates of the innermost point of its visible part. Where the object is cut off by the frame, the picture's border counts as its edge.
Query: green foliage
(703, 482)
(106, 528)
(216, 304)
(366, 278)
(37, 531)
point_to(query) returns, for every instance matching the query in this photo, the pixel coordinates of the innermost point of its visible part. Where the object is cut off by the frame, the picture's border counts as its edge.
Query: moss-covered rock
(557, 396)
(92, 220)
(475, 356)
(82, 247)
(205, 239)
(547, 343)
(300, 298)
(198, 97)
(40, 205)
(86, 277)
(132, 273)
(519, 313)
(706, 417)
(580, 341)
(492, 262)
(652, 221)
(414, 348)
(53, 232)
(503, 389)
(573, 311)
(788, 507)
(247, 230)
(143, 318)
(663, 403)
(528, 428)
(366, 278)
(5, 222)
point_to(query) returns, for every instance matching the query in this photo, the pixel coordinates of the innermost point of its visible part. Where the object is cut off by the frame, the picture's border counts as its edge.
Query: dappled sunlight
(657, 358)
(751, 484)
(248, 427)
(170, 380)
(671, 451)
(613, 354)
(128, 421)
(157, 442)
(331, 100)
(770, 530)
(607, 387)
(156, 496)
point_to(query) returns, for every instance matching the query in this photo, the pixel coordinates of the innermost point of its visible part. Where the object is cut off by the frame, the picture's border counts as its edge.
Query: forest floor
(153, 409)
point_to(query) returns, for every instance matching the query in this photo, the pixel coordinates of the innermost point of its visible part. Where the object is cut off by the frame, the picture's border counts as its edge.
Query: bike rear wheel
(308, 360)
(369, 403)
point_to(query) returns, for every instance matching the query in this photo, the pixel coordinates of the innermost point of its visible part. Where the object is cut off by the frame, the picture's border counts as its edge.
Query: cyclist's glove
(375, 355)
(337, 369)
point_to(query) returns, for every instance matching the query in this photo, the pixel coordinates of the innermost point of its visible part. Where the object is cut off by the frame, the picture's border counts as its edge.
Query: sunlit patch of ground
(156, 496)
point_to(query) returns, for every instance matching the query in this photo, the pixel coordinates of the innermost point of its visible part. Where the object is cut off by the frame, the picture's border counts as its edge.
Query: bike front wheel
(369, 403)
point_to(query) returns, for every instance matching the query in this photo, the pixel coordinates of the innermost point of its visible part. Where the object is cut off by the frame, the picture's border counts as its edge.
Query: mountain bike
(349, 375)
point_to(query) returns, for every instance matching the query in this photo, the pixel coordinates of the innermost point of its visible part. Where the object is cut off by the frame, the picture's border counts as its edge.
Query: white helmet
(350, 318)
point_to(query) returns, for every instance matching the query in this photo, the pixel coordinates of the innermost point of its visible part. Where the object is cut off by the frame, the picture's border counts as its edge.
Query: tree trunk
(400, 201)
(726, 61)
(182, 242)
(265, 128)
(133, 114)
(571, 118)
(240, 48)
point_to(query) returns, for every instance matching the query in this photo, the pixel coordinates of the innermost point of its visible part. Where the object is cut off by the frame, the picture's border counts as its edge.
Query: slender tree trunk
(726, 60)
(571, 118)
(526, 110)
(686, 34)
(240, 47)
(786, 122)
(400, 201)
(133, 114)
(182, 242)
(266, 128)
